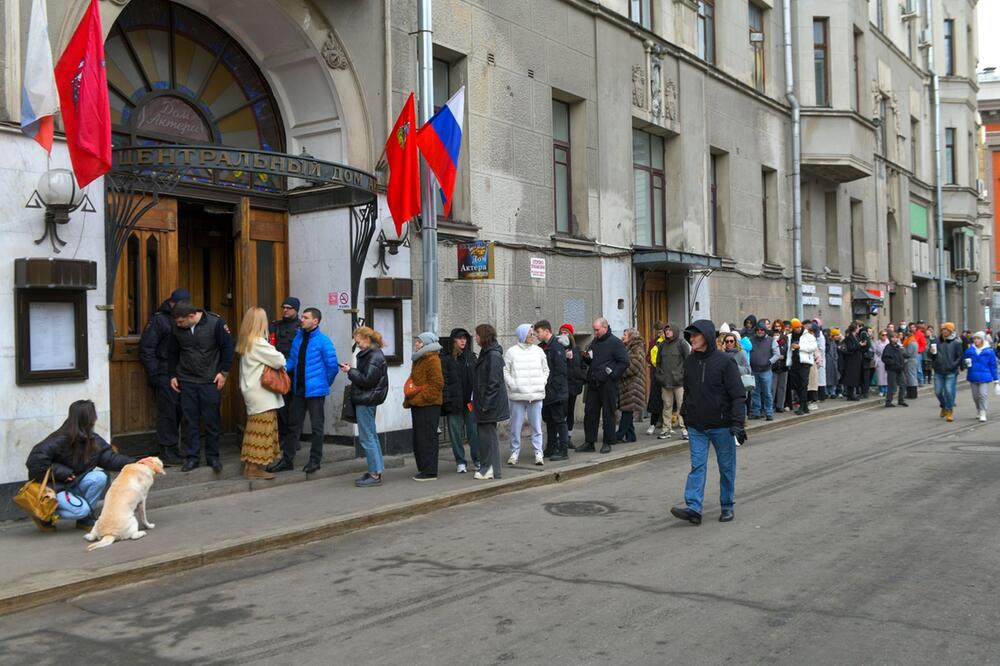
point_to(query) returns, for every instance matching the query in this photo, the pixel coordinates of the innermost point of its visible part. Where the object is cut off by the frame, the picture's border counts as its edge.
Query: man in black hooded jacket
(458, 364)
(714, 411)
(154, 346)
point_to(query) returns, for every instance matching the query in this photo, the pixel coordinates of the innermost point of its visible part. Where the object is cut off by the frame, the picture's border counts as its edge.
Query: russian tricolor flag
(39, 98)
(440, 141)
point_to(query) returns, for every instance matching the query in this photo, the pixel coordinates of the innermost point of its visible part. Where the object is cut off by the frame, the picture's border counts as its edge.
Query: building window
(858, 36)
(641, 12)
(706, 30)
(718, 180)
(768, 203)
(442, 83)
(821, 61)
(561, 167)
(832, 233)
(883, 127)
(880, 14)
(949, 156)
(647, 173)
(757, 47)
(857, 241)
(914, 144)
(949, 47)
(970, 150)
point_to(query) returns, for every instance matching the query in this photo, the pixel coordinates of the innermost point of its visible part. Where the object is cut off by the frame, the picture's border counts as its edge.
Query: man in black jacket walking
(281, 333)
(892, 359)
(154, 346)
(556, 393)
(606, 360)
(201, 354)
(458, 363)
(714, 410)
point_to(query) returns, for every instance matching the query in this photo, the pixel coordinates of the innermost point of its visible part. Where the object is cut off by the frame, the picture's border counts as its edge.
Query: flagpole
(428, 231)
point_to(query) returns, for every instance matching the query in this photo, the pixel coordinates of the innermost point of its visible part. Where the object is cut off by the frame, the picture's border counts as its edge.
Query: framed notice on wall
(50, 335)
(385, 315)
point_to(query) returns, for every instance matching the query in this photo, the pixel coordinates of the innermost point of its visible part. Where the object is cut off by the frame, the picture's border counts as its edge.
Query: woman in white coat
(525, 371)
(260, 439)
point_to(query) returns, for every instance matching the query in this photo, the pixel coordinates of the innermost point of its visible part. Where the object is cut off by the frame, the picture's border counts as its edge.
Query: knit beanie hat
(834, 331)
(979, 334)
(724, 328)
(522, 332)
(796, 323)
(427, 338)
(948, 326)
(568, 327)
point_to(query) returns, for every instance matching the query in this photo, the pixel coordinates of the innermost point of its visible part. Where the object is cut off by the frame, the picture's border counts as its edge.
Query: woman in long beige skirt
(260, 440)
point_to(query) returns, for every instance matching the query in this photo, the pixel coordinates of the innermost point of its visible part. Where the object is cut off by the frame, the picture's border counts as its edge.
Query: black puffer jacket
(370, 380)
(489, 397)
(459, 374)
(714, 396)
(154, 345)
(576, 376)
(892, 358)
(282, 333)
(557, 386)
(54, 451)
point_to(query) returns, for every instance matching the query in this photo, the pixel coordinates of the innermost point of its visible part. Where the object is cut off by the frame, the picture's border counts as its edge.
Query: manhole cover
(979, 448)
(580, 509)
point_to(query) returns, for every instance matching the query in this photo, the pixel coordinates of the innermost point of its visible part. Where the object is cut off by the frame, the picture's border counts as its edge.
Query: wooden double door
(229, 257)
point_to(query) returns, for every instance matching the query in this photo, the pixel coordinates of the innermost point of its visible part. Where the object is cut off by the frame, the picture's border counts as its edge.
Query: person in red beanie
(574, 373)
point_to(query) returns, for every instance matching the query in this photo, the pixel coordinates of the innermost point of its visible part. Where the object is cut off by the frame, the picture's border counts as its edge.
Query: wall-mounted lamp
(389, 242)
(59, 195)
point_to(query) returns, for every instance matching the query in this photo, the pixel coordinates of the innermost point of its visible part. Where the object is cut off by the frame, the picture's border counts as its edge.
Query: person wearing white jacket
(801, 349)
(525, 371)
(260, 439)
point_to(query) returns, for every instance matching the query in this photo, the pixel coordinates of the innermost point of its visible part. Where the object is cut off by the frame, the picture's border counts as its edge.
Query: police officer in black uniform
(201, 354)
(153, 349)
(282, 332)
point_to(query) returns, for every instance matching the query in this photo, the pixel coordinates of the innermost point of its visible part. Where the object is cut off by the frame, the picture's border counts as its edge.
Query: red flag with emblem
(83, 99)
(403, 193)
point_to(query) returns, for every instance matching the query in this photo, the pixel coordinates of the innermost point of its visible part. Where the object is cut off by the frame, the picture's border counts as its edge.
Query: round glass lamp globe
(57, 187)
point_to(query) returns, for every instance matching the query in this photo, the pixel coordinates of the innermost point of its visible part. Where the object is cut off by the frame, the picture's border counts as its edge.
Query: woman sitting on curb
(79, 459)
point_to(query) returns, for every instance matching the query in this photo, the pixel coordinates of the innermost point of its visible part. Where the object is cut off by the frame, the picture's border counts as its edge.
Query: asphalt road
(870, 538)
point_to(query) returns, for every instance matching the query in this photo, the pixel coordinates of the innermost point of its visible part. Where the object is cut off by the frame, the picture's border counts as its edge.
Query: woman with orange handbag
(424, 394)
(260, 439)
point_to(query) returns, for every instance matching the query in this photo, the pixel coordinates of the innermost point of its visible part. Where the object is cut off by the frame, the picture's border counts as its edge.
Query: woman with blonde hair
(369, 388)
(260, 439)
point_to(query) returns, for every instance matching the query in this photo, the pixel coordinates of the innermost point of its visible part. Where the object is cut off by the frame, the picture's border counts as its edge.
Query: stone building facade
(629, 158)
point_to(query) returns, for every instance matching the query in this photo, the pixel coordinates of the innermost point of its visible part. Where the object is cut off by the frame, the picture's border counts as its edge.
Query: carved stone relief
(638, 87)
(655, 87)
(333, 52)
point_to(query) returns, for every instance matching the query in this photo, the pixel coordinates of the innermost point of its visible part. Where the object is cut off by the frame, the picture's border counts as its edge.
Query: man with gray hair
(606, 360)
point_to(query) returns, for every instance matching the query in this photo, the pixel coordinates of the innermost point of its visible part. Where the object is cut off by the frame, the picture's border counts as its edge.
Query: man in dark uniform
(153, 348)
(201, 353)
(282, 332)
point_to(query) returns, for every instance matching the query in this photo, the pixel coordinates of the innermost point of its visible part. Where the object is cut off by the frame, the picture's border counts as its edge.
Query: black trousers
(489, 448)
(425, 438)
(296, 417)
(895, 381)
(283, 418)
(556, 431)
(600, 405)
(168, 413)
(200, 404)
(570, 410)
(866, 379)
(798, 381)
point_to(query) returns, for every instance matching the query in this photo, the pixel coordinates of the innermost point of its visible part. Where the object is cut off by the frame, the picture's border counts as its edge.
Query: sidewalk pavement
(41, 568)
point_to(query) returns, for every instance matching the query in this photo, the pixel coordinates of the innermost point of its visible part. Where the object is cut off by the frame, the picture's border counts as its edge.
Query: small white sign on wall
(835, 291)
(538, 268)
(808, 289)
(810, 300)
(342, 299)
(836, 300)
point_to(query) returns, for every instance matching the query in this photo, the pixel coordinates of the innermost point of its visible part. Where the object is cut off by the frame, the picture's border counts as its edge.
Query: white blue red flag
(440, 141)
(39, 97)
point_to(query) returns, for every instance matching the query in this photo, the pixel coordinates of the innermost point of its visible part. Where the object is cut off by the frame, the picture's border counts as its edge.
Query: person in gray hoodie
(669, 374)
(763, 353)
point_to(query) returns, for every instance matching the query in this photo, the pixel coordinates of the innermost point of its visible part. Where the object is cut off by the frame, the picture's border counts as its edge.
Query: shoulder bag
(39, 500)
(348, 412)
(276, 380)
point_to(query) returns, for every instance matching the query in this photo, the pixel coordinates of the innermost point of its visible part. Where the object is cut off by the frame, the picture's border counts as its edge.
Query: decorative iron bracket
(364, 221)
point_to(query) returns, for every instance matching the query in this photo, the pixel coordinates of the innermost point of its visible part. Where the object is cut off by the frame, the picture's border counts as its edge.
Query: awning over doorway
(654, 260)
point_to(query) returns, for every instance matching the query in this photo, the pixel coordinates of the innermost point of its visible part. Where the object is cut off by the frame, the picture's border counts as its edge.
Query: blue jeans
(369, 437)
(920, 367)
(725, 456)
(77, 500)
(944, 389)
(763, 390)
(462, 426)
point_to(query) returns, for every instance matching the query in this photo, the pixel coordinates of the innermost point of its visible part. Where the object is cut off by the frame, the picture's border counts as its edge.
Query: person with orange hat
(946, 355)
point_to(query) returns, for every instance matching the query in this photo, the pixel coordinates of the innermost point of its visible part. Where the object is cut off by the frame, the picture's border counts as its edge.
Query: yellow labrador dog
(125, 499)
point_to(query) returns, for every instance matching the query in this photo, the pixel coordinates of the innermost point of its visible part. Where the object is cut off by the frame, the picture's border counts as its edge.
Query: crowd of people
(700, 382)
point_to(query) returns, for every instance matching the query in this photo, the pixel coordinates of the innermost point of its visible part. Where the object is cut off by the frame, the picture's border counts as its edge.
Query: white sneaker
(684, 433)
(813, 406)
(665, 434)
(461, 469)
(512, 460)
(539, 459)
(650, 430)
(982, 416)
(481, 475)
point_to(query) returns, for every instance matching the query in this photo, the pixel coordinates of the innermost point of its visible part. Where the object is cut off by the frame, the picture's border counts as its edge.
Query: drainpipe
(428, 214)
(938, 195)
(796, 156)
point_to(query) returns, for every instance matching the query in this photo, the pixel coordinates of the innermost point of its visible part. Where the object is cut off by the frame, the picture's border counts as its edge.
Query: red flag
(83, 99)
(403, 194)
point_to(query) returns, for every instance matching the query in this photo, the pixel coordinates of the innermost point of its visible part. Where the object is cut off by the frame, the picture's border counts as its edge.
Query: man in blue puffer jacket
(312, 364)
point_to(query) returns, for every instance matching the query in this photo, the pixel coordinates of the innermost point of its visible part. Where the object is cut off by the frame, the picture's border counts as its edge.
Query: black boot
(169, 457)
(560, 452)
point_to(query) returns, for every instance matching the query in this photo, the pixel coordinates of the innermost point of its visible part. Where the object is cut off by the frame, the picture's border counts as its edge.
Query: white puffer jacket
(525, 370)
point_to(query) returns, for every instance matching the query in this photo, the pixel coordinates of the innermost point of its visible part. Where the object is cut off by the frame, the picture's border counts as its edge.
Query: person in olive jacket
(489, 400)
(459, 366)
(80, 460)
(369, 388)
(424, 393)
(556, 393)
